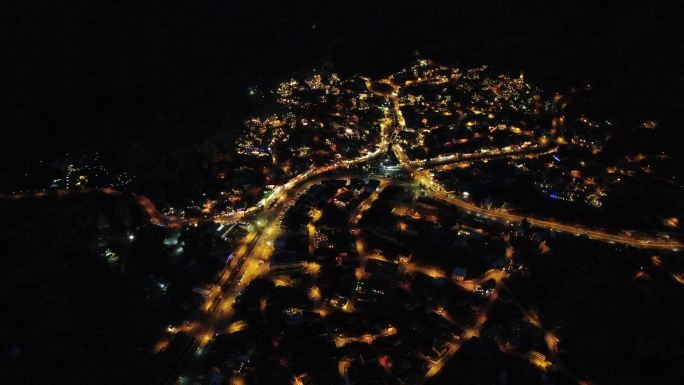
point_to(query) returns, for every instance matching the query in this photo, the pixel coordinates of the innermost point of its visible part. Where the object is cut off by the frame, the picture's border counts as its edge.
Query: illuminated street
(253, 257)
(431, 225)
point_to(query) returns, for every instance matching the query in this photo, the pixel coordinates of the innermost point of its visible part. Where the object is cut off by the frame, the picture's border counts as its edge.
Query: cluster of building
(316, 120)
(366, 284)
(448, 111)
(373, 278)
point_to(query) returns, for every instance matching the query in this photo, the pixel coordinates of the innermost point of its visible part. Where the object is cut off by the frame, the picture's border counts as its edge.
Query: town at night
(256, 193)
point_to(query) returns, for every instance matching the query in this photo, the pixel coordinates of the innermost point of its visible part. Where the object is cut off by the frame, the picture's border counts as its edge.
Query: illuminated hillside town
(391, 230)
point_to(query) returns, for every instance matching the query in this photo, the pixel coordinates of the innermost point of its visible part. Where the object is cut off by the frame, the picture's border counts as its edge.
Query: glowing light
(160, 346)
(672, 222)
(343, 366)
(236, 327)
(315, 293)
(539, 360)
(551, 342)
(313, 268)
(679, 278)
